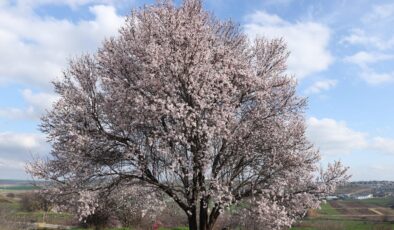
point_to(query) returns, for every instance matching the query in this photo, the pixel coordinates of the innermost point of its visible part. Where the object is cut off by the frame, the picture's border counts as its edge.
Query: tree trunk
(192, 219)
(213, 217)
(203, 215)
(203, 221)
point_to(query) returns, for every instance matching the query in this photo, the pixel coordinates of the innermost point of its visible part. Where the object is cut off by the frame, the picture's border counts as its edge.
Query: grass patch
(176, 228)
(105, 229)
(383, 201)
(327, 210)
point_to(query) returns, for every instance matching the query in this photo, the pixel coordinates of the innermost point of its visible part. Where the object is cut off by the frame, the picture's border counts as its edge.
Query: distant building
(369, 196)
(344, 196)
(331, 198)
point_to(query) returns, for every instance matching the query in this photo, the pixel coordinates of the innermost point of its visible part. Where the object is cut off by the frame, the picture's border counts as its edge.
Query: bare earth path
(376, 211)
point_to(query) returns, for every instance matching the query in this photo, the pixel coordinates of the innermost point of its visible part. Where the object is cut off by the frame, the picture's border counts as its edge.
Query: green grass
(384, 201)
(177, 228)
(80, 228)
(302, 228)
(12, 209)
(327, 210)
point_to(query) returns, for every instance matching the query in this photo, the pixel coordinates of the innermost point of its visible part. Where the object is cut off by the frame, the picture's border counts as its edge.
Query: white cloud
(368, 72)
(37, 104)
(376, 40)
(363, 58)
(16, 143)
(35, 49)
(18, 148)
(374, 30)
(18, 113)
(280, 3)
(372, 171)
(380, 12)
(333, 137)
(29, 4)
(360, 37)
(265, 19)
(11, 164)
(374, 78)
(382, 144)
(40, 101)
(320, 86)
(307, 41)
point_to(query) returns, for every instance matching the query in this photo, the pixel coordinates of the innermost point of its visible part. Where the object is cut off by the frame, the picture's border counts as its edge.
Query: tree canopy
(185, 104)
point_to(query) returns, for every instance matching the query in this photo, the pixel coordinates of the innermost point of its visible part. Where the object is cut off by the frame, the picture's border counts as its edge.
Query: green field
(329, 218)
(384, 202)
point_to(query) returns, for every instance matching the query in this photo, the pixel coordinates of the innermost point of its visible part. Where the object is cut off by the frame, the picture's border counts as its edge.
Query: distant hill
(19, 185)
(377, 188)
(15, 182)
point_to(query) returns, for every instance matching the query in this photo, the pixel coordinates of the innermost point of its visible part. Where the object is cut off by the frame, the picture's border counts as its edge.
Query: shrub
(33, 201)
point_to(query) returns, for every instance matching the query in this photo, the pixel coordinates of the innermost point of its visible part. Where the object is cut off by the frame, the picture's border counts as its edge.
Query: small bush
(10, 195)
(32, 201)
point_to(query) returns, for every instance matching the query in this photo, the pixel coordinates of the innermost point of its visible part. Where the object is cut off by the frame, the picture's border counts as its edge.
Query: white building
(331, 198)
(364, 197)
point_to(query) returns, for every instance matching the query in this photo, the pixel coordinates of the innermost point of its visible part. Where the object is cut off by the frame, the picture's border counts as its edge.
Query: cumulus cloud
(362, 58)
(37, 104)
(372, 34)
(383, 144)
(30, 4)
(11, 164)
(380, 12)
(35, 49)
(335, 137)
(18, 144)
(307, 41)
(374, 78)
(41, 101)
(320, 86)
(18, 113)
(366, 60)
(362, 38)
(18, 148)
(373, 171)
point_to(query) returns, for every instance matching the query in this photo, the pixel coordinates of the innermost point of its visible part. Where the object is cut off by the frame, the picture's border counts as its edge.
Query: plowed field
(359, 210)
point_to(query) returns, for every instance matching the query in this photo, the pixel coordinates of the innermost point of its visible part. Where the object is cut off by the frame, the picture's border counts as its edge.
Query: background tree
(186, 104)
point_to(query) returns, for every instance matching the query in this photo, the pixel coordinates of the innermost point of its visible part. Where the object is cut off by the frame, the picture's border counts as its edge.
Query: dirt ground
(358, 210)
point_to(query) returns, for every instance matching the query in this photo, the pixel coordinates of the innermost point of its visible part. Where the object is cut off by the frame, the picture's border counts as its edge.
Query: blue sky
(342, 54)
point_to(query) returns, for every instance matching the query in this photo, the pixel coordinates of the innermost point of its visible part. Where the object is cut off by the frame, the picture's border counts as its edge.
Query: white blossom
(185, 104)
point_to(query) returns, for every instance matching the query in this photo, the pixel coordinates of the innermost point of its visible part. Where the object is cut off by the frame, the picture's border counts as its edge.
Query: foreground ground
(371, 214)
(13, 217)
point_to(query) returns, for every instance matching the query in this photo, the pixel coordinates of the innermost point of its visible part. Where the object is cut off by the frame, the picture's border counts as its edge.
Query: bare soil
(358, 210)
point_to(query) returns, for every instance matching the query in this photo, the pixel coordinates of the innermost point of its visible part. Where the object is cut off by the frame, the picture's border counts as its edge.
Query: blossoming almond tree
(184, 103)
